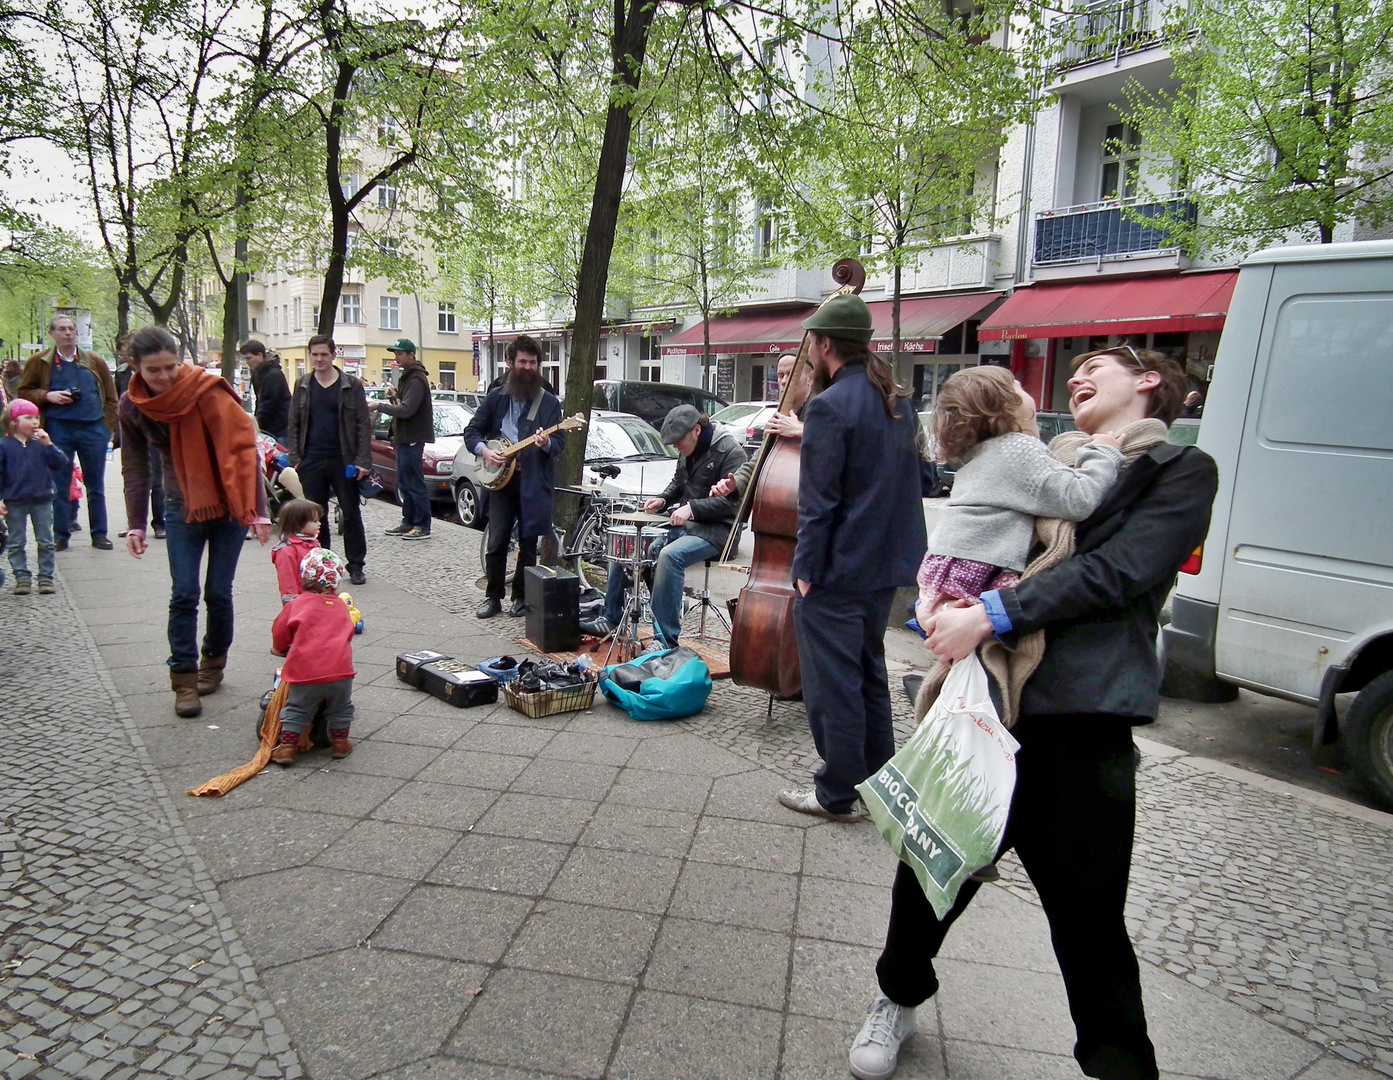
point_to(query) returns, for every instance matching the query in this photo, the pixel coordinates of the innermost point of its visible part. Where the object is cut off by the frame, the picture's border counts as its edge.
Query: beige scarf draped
(1012, 668)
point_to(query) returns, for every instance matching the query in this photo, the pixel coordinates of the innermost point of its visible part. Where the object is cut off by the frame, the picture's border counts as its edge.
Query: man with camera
(76, 396)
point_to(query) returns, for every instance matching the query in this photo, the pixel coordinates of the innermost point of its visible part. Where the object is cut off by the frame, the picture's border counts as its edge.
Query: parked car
(651, 401)
(472, 398)
(634, 460)
(1185, 430)
(745, 421)
(1289, 594)
(451, 418)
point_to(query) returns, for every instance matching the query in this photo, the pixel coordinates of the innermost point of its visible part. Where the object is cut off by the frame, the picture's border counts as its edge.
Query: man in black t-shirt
(330, 439)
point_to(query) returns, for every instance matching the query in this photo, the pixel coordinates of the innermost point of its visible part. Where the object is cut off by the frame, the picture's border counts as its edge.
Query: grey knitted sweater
(1007, 483)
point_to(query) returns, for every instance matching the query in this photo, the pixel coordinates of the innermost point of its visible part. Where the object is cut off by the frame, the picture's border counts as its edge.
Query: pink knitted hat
(22, 407)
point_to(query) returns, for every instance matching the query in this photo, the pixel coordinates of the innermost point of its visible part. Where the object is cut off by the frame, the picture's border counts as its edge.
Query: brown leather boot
(210, 672)
(340, 746)
(185, 684)
(284, 753)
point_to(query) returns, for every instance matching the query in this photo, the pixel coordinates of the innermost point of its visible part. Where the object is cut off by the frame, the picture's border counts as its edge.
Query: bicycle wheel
(587, 555)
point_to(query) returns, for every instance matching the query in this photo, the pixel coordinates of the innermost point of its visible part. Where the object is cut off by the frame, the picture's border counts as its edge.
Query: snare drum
(620, 541)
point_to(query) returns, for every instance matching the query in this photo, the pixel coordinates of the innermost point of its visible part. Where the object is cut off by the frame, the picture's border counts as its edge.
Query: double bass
(763, 648)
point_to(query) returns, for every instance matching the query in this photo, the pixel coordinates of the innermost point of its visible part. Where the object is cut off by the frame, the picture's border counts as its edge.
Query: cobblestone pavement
(1279, 906)
(117, 958)
(477, 895)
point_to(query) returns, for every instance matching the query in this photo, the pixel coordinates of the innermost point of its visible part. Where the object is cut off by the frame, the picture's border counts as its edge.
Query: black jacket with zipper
(1100, 609)
(355, 422)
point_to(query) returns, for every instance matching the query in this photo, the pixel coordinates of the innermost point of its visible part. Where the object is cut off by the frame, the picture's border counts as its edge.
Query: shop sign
(906, 346)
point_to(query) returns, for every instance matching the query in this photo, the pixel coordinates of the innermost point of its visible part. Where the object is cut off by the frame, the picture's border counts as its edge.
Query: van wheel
(1369, 737)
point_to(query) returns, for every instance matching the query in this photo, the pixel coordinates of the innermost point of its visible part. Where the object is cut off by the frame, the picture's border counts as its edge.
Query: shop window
(447, 375)
(650, 373)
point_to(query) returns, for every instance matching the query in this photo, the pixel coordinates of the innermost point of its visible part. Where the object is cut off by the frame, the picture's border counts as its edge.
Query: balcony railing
(1109, 30)
(1094, 231)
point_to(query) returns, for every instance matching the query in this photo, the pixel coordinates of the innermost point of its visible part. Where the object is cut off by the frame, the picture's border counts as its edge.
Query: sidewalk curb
(1318, 799)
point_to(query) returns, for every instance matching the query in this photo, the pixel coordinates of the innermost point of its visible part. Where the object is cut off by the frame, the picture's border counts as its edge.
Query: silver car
(623, 456)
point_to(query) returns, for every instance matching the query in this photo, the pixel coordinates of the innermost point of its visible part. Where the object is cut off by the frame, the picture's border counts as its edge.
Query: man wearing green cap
(413, 425)
(860, 536)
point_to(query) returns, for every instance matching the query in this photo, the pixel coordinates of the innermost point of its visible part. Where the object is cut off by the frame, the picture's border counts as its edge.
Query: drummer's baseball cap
(678, 422)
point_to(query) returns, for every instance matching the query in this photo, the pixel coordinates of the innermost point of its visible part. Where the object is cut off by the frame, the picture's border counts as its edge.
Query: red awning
(745, 332)
(1165, 304)
(923, 320)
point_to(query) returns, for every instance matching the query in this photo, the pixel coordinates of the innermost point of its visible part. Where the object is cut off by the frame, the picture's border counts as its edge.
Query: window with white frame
(389, 245)
(299, 318)
(447, 375)
(352, 309)
(389, 313)
(445, 319)
(348, 184)
(387, 196)
(350, 247)
(316, 318)
(650, 372)
(766, 232)
(388, 130)
(1121, 162)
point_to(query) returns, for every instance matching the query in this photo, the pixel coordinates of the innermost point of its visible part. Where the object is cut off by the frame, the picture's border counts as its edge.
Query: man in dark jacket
(271, 390)
(516, 410)
(76, 396)
(699, 522)
(413, 425)
(1073, 811)
(330, 446)
(860, 536)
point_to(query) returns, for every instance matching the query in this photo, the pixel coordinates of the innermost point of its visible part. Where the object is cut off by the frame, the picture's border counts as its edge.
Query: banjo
(494, 477)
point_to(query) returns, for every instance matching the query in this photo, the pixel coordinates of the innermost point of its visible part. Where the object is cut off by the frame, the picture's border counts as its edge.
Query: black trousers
(1071, 822)
(505, 511)
(841, 653)
(323, 477)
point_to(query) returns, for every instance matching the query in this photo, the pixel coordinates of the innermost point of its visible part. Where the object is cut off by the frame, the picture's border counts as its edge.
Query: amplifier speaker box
(553, 608)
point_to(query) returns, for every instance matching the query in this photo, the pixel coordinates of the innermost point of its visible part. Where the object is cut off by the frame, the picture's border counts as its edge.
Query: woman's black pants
(1071, 824)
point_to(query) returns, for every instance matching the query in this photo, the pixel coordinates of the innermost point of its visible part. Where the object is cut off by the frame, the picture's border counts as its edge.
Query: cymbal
(639, 519)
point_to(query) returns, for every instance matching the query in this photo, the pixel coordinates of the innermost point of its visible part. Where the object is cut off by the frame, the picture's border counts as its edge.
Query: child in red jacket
(314, 632)
(298, 525)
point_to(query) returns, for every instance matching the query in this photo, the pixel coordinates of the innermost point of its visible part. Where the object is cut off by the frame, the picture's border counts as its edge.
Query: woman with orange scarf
(213, 490)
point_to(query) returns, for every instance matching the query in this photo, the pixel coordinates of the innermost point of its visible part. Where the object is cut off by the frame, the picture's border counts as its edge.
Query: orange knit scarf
(212, 441)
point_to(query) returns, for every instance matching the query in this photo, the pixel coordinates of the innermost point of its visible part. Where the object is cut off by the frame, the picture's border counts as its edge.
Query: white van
(1293, 591)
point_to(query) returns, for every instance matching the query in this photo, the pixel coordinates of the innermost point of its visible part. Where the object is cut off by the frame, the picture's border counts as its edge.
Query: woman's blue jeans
(185, 541)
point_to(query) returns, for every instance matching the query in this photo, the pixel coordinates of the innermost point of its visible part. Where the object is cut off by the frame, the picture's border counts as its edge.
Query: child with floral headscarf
(314, 632)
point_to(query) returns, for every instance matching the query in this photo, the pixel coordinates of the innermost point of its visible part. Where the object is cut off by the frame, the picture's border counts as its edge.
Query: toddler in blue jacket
(28, 460)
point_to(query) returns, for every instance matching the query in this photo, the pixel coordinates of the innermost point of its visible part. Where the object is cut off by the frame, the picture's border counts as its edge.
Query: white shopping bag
(941, 802)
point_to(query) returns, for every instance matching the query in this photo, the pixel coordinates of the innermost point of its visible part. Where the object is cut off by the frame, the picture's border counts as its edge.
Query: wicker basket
(549, 702)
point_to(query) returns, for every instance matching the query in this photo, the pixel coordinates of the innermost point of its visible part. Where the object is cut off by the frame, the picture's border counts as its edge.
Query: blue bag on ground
(659, 686)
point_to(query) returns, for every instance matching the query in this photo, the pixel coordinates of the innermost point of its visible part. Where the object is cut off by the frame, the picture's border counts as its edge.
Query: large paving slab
(477, 894)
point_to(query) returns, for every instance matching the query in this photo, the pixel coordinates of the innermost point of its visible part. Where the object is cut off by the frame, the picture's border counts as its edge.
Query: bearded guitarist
(517, 409)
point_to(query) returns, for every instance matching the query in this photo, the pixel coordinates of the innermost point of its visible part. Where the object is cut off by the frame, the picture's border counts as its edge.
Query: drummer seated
(698, 524)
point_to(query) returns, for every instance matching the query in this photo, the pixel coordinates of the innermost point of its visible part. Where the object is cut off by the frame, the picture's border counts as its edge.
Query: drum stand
(626, 634)
(705, 604)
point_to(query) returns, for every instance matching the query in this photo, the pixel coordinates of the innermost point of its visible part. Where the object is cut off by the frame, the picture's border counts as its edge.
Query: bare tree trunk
(629, 43)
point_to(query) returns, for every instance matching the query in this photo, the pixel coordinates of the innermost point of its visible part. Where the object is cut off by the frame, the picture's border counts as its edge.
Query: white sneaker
(876, 1051)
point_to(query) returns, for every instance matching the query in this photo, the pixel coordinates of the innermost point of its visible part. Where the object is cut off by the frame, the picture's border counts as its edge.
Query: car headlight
(444, 467)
